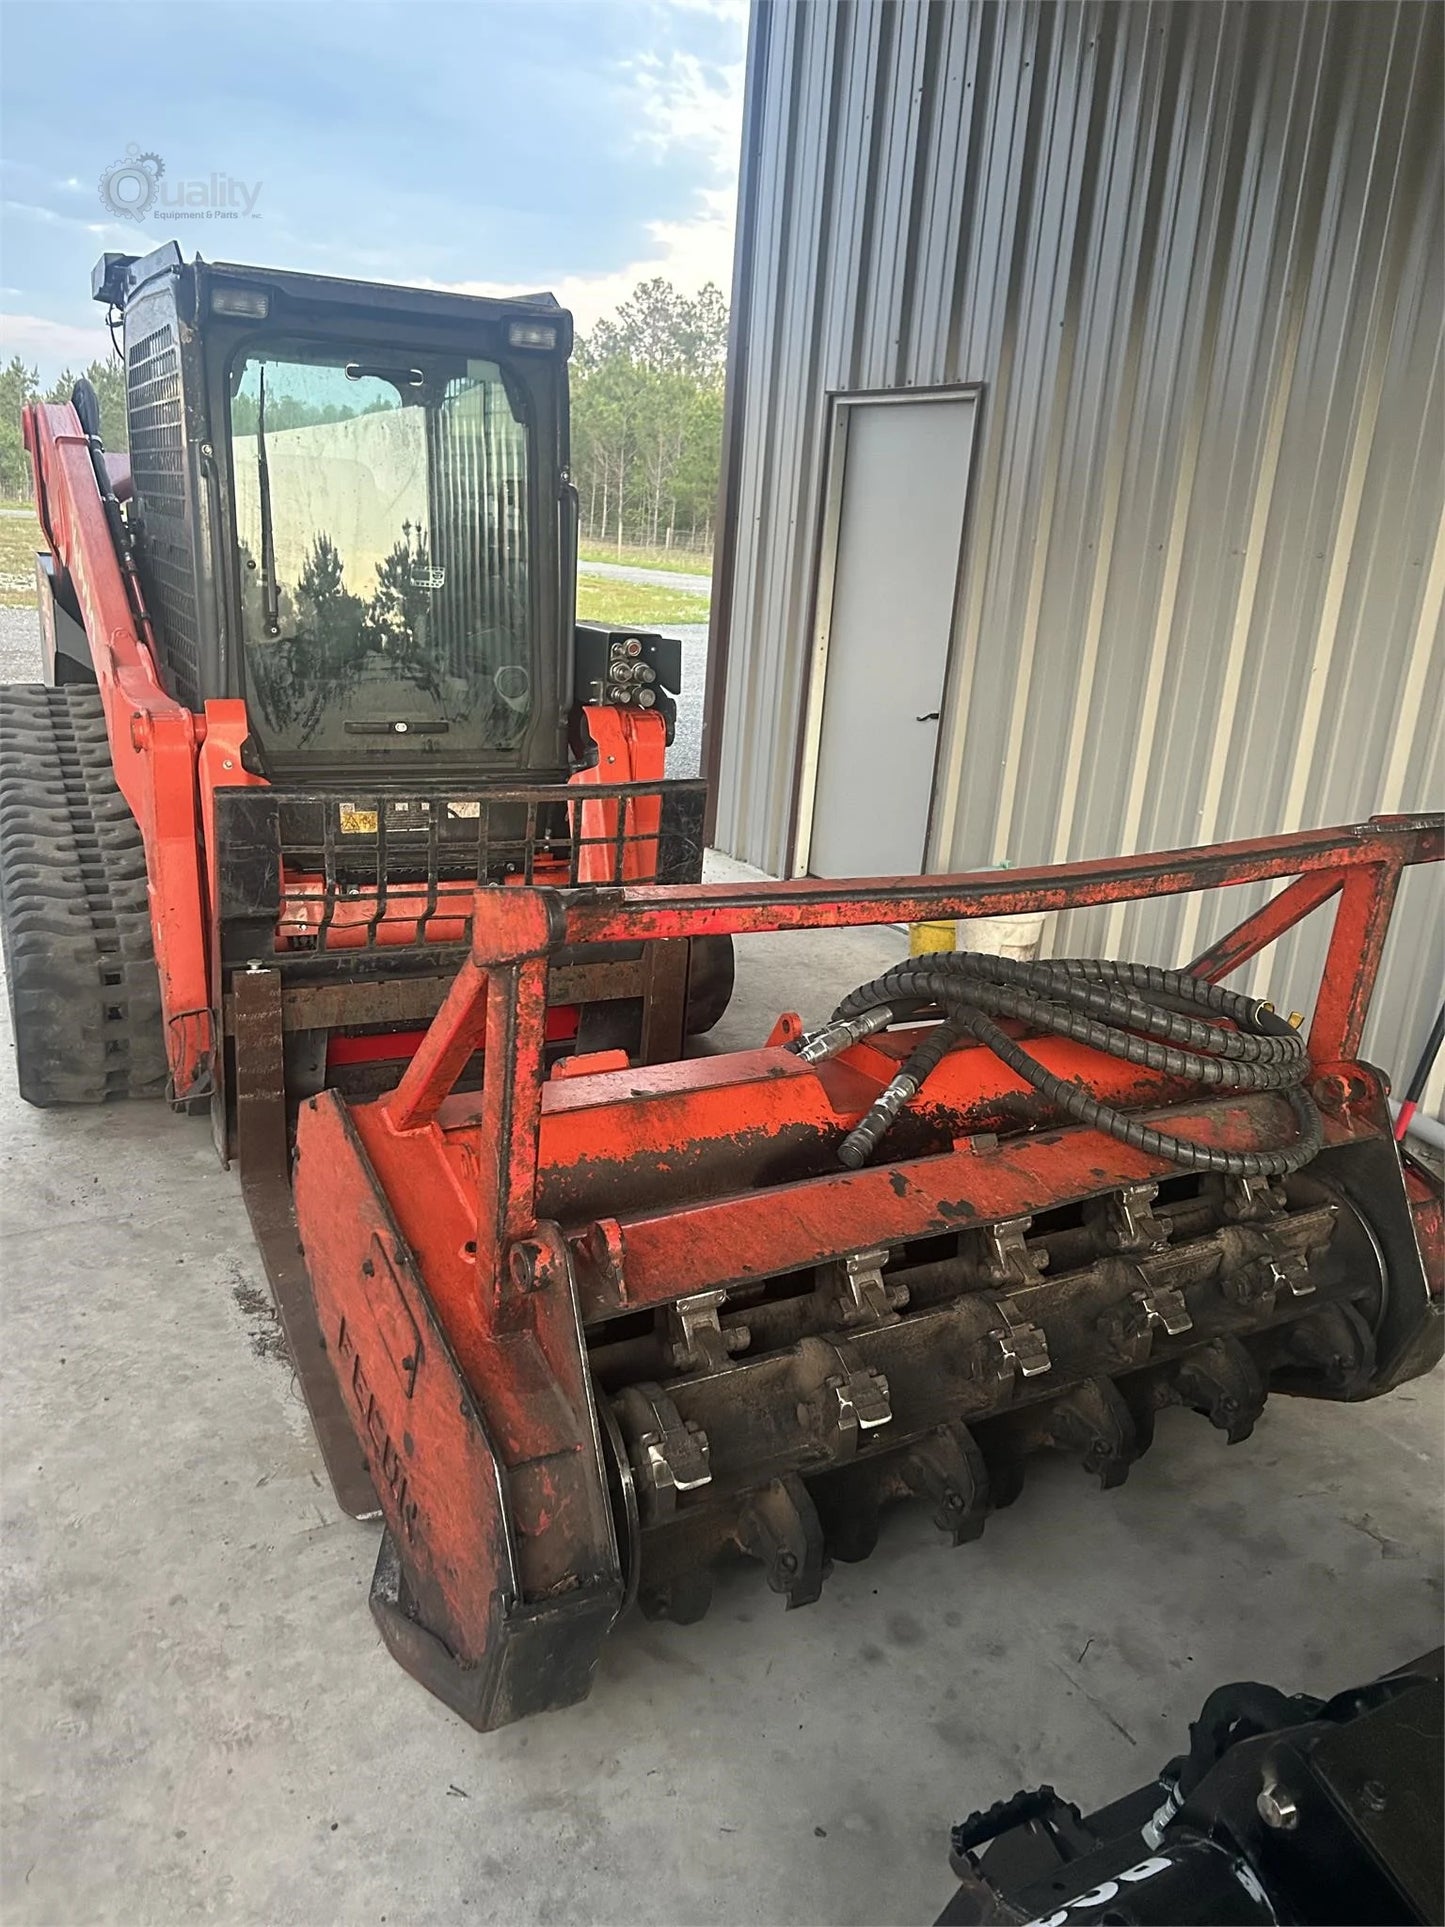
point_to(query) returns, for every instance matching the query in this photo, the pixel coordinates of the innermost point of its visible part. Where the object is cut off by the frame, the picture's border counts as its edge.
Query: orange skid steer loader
(312, 676)
(577, 1312)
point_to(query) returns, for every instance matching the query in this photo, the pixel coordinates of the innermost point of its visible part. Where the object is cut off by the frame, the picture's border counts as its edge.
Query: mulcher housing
(595, 1329)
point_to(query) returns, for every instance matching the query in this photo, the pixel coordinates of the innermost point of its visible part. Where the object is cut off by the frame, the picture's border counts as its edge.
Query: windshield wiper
(270, 588)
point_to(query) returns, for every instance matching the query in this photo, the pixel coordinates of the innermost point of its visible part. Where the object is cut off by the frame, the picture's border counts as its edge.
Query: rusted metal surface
(1238, 946)
(664, 1011)
(400, 1000)
(784, 1346)
(511, 1108)
(1383, 844)
(692, 1247)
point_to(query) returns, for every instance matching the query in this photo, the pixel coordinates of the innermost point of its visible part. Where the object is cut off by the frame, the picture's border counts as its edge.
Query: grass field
(647, 605)
(674, 561)
(20, 537)
(599, 598)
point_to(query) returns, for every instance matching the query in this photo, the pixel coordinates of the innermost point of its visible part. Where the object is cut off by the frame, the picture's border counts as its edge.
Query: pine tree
(647, 416)
(397, 615)
(327, 611)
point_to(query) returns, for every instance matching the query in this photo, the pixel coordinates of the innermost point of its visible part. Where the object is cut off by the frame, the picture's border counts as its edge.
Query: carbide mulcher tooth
(1094, 1421)
(1247, 1200)
(669, 1455)
(1122, 1221)
(945, 1467)
(1222, 1381)
(948, 1469)
(1091, 1422)
(779, 1525)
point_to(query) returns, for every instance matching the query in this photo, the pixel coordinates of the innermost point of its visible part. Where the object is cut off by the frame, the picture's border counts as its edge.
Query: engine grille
(158, 471)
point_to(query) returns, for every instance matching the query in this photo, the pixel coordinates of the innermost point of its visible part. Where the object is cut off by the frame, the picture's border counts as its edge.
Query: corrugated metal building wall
(1195, 255)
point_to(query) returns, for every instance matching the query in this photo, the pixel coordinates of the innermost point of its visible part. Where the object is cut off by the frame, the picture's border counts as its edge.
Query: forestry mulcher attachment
(599, 1326)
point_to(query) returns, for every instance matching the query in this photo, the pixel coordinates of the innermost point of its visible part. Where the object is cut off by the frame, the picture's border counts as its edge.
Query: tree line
(647, 394)
(20, 385)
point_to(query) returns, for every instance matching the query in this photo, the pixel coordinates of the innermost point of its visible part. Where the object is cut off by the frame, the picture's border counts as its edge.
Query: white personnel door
(887, 591)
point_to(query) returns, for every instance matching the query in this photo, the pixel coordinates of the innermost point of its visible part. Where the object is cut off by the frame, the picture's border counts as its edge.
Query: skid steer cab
(314, 697)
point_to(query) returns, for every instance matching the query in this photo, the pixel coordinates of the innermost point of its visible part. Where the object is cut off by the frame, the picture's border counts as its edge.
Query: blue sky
(497, 145)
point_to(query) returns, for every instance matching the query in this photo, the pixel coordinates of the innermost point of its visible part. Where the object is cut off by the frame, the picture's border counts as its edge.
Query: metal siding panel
(1195, 255)
(755, 661)
(939, 235)
(793, 427)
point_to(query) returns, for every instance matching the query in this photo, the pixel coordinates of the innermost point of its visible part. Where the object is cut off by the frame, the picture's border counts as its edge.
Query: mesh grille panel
(158, 471)
(157, 451)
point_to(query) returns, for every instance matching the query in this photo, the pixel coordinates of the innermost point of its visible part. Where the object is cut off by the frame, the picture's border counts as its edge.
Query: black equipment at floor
(1285, 1808)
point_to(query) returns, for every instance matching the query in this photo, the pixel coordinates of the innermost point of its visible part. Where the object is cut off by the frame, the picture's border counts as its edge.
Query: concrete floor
(199, 1721)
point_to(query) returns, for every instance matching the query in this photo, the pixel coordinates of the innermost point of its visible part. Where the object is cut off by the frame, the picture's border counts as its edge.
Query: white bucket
(1016, 937)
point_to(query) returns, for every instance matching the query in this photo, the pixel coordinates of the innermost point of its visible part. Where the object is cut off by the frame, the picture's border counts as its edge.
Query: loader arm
(154, 740)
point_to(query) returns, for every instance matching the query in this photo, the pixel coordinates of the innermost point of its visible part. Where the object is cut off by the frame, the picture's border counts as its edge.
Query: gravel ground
(684, 758)
(654, 578)
(19, 645)
(20, 662)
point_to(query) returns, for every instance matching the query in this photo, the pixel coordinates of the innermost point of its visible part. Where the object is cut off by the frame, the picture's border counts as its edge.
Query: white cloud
(683, 104)
(734, 12)
(677, 102)
(687, 253)
(53, 344)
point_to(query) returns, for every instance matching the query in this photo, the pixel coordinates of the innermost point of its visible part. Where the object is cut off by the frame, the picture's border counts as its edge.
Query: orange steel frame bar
(169, 762)
(499, 994)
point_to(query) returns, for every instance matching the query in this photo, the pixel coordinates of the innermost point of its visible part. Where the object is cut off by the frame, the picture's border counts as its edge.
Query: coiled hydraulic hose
(1155, 1018)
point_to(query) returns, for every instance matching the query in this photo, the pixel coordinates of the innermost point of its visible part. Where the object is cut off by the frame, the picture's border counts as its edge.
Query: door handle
(931, 717)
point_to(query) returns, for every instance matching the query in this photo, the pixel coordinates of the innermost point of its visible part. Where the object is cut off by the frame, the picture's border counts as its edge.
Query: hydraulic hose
(1164, 1020)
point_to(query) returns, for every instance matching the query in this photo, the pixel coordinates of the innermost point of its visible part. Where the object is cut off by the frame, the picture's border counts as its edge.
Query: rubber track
(74, 912)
